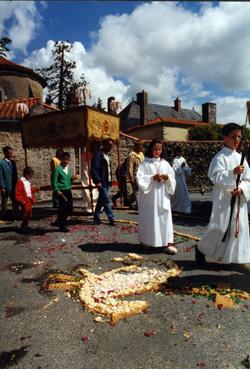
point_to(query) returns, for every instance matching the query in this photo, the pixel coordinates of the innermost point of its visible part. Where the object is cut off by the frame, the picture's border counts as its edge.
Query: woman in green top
(62, 182)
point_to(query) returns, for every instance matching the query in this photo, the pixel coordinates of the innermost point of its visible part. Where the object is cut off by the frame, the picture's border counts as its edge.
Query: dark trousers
(4, 200)
(65, 208)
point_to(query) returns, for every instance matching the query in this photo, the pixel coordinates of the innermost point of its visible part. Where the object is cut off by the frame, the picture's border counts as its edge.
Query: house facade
(170, 123)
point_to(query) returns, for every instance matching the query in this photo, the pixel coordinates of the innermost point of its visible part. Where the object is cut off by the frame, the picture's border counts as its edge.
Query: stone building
(170, 123)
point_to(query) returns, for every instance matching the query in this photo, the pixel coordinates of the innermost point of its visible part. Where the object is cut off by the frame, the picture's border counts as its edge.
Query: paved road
(42, 330)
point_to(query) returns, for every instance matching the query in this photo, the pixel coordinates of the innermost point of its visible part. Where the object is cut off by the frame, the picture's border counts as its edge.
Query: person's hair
(178, 149)
(28, 171)
(138, 144)
(229, 127)
(149, 151)
(107, 141)
(59, 153)
(65, 155)
(6, 149)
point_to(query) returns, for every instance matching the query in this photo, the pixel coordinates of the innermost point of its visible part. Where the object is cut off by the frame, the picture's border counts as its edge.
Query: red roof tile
(8, 108)
(174, 121)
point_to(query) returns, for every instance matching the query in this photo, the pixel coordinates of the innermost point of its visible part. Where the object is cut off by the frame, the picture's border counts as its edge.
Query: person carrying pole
(227, 237)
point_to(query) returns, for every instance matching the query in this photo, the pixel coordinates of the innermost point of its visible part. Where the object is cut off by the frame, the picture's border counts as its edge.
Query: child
(25, 197)
(180, 201)
(156, 182)
(62, 179)
(223, 171)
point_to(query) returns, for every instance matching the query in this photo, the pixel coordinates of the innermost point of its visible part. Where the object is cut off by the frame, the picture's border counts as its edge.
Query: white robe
(155, 217)
(180, 200)
(233, 250)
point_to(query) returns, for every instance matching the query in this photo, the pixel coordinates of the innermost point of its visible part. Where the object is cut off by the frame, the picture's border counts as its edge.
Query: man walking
(101, 175)
(8, 180)
(135, 157)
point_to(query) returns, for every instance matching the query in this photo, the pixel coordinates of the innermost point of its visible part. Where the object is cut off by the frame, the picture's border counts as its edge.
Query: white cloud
(231, 109)
(24, 21)
(101, 84)
(169, 51)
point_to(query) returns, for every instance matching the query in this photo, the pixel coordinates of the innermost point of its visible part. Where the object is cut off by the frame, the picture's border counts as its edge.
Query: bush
(212, 133)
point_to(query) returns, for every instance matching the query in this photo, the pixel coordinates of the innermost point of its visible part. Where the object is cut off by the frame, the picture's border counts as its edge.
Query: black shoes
(97, 221)
(199, 257)
(64, 229)
(111, 222)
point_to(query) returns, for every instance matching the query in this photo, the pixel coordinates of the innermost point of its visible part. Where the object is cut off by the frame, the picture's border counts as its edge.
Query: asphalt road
(50, 330)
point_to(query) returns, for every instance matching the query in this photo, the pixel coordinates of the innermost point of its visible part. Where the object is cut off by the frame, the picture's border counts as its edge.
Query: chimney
(142, 100)
(209, 113)
(177, 104)
(108, 103)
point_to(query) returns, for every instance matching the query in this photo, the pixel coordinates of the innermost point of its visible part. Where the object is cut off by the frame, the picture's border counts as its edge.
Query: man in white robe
(223, 171)
(155, 217)
(180, 200)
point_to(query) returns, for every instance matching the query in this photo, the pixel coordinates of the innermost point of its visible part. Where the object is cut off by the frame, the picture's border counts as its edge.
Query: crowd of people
(157, 189)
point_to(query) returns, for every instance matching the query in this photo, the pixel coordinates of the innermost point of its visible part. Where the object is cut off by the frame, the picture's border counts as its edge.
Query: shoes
(111, 222)
(64, 229)
(114, 201)
(55, 223)
(25, 230)
(97, 221)
(171, 250)
(199, 257)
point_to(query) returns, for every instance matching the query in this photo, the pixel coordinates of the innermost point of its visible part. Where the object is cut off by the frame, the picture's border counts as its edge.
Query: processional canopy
(71, 127)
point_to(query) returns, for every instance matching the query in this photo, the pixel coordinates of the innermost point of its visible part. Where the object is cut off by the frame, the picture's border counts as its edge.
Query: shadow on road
(120, 247)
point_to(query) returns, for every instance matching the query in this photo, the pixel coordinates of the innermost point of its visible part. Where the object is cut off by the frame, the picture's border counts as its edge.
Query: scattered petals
(149, 333)
(85, 339)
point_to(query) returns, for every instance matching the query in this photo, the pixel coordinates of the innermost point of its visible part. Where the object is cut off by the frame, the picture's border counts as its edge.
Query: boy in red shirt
(25, 197)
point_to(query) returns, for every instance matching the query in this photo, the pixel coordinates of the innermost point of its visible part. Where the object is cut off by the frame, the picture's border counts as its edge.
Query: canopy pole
(25, 157)
(89, 176)
(119, 169)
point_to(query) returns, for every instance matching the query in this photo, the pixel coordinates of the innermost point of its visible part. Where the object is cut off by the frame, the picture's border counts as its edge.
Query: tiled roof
(7, 65)
(8, 108)
(130, 115)
(174, 121)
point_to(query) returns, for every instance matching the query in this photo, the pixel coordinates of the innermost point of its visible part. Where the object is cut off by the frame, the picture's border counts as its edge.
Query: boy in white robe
(180, 200)
(223, 171)
(156, 182)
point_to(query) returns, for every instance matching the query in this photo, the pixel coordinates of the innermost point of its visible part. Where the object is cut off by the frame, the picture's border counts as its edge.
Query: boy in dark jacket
(101, 175)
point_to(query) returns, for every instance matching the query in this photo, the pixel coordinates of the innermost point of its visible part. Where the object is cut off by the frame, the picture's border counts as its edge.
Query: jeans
(103, 202)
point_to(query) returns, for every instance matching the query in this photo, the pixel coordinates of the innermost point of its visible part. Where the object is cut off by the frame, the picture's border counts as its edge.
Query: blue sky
(195, 50)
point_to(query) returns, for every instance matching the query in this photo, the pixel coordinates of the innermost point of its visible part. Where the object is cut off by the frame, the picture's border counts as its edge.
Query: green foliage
(212, 133)
(4, 41)
(205, 133)
(59, 76)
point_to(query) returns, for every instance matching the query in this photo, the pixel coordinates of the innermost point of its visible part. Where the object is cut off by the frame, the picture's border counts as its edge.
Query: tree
(4, 41)
(99, 104)
(59, 76)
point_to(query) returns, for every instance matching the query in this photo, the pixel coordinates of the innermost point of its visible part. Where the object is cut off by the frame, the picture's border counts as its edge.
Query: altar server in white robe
(180, 200)
(223, 171)
(156, 182)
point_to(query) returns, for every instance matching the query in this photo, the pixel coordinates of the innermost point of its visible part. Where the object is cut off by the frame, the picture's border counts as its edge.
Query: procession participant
(156, 182)
(25, 196)
(8, 180)
(54, 162)
(122, 192)
(86, 194)
(134, 159)
(101, 175)
(62, 183)
(223, 171)
(180, 200)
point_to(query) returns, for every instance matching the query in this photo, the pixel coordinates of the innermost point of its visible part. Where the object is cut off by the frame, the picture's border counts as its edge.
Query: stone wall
(198, 155)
